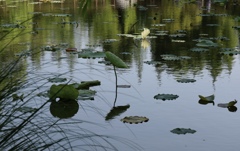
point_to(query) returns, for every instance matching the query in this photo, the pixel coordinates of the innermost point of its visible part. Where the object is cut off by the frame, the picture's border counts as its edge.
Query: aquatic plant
(25, 122)
(145, 33)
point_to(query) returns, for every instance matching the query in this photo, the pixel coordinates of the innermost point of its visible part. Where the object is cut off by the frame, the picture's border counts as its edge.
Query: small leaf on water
(134, 119)
(57, 79)
(207, 98)
(232, 103)
(183, 131)
(186, 80)
(165, 96)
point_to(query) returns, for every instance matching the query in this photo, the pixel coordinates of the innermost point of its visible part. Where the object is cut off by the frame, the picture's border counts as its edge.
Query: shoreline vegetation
(25, 122)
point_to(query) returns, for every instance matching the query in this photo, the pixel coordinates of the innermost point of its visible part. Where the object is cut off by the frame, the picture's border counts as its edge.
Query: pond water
(177, 28)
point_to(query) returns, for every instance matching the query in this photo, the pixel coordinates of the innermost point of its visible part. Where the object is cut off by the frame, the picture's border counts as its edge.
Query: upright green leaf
(115, 60)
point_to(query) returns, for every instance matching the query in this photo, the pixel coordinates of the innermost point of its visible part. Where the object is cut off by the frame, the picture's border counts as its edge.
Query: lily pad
(226, 105)
(171, 57)
(206, 43)
(115, 60)
(86, 94)
(57, 79)
(186, 80)
(153, 62)
(134, 119)
(205, 100)
(26, 109)
(63, 91)
(183, 131)
(165, 97)
(89, 54)
(198, 49)
(86, 84)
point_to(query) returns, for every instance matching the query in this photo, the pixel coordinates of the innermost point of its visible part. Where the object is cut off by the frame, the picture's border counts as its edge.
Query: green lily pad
(165, 97)
(116, 111)
(90, 54)
(197, 49)
(206, 43)
(26, 109)
(171, 57)
(109, 40)
(63, 91)
(207, 98)
(153, 62)
(115, 60)
(86, 84)
(180, 35)
(229, 51)
(86, 94)
(183, 131)
(134, 119)
(186, 80)
(57, 79)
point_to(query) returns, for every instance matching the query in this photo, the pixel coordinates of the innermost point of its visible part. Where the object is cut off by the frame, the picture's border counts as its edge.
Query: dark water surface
(98, 25)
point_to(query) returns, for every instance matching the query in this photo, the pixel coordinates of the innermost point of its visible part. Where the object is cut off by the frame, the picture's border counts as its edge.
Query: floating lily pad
(197, 49)
(165, 97)
(229, 51)
(12, 26)
(226, 105)
(57, 79)
(183, 131)
(26, 109)
(123, 86)
(86, 94)
(134, 119)
(63, 91)
(90, 54)
(109, 40)
(116, 111)
(153, 62)
(206, 43)
(205, 100)
(186, 80)
(168, 20)
(171, 57)
(180, 35)
(179, 41)
(212, 25)
(88, 84)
